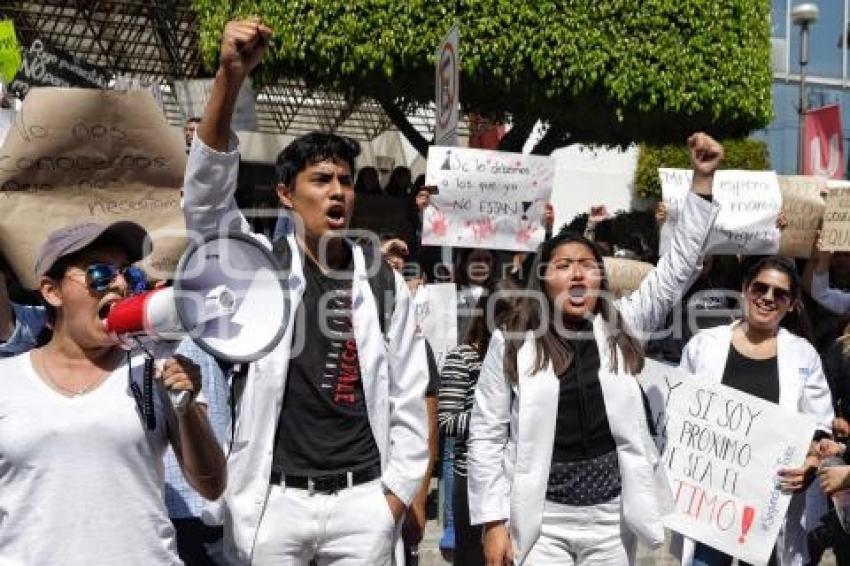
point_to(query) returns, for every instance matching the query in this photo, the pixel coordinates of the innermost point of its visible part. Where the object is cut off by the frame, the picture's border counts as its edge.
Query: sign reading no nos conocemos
(487, 199)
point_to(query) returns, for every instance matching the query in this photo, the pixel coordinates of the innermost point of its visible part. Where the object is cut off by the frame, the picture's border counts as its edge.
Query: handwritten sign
(10, 52)
(803, 206)
(835, 233)
(75, 155)
(722, 449)
(625, 275)
(45, 65)
(436, 316)
(749, 202)
(487, 199)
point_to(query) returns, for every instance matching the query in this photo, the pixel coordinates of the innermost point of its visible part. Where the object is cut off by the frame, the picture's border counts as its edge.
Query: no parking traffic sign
(447, 96)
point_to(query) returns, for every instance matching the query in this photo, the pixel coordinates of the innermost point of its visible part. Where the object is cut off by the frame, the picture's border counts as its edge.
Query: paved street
(429, 553)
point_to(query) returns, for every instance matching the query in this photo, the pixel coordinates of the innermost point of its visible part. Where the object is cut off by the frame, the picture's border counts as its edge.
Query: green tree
(597, 71)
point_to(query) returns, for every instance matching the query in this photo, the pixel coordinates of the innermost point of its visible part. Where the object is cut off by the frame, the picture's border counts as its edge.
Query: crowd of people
(322, 451)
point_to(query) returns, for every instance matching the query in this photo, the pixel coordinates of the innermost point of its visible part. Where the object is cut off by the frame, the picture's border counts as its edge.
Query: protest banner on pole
(486, 199)
(803, 206)
(749, 202)
(823, 149)
(77, 155)
(435, 306)
(625, 275)
(722, 449)
(835, 234)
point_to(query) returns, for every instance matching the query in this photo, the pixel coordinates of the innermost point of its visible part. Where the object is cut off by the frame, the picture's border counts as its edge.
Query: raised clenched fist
(242, 46)
(706, 154)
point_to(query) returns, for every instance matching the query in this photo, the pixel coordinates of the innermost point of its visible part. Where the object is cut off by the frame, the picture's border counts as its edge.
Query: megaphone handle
(180, 400)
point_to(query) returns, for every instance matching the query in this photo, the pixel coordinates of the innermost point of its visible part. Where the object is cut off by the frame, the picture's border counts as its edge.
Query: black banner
(45, 65)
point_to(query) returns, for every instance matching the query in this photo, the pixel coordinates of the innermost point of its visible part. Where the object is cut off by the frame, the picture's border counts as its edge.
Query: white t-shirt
(81, 479)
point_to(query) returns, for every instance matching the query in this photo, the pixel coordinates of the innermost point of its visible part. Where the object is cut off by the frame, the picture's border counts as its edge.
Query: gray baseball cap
(71, 239)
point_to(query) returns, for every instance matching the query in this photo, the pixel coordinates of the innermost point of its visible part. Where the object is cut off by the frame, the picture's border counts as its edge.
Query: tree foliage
(601, 71)
(745, 153)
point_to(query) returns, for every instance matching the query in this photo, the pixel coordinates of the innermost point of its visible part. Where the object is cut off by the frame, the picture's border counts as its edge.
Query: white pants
(592, 535)
(353, 527)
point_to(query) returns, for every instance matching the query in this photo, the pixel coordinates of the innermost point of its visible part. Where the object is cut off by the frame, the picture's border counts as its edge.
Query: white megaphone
(227, 296)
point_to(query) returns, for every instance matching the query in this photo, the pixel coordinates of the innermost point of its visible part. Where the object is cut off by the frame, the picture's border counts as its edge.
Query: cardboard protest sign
(835, 234)
(10, 52)
(436, 316)
(722, 449)
(487, 199)
(625, 275)
(76, 155)
(803, 206)
(749, 202)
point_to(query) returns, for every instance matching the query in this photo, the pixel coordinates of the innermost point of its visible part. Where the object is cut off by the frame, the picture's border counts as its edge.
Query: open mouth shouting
(106, 305)
(577, 295)
(336, 216)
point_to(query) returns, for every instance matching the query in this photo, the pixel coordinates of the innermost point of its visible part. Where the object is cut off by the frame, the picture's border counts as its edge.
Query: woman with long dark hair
(768, 354)
(457, 393)
(562, 467)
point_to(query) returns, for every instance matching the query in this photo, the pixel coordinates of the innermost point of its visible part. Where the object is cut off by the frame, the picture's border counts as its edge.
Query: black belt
(330, 483)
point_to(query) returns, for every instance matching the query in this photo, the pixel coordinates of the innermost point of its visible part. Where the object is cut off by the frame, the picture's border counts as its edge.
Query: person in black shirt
(561, 465)
(330, 437)
(757, 356)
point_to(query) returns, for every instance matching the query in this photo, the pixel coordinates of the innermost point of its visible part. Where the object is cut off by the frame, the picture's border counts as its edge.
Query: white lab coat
(393, 370)
(512, 427)
(802, 388)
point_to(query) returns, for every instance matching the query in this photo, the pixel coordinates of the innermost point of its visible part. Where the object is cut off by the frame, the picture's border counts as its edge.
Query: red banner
(823, 153)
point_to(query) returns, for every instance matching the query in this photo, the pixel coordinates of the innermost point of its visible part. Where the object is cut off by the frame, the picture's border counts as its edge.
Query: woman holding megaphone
(81, 475)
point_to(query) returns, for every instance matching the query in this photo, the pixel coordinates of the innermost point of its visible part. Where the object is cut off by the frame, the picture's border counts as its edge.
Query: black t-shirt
(581, 429)
(323, 426)
(756, 377)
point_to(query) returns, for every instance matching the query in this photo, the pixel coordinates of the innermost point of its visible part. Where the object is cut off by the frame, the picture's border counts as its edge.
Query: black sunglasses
(780, 294)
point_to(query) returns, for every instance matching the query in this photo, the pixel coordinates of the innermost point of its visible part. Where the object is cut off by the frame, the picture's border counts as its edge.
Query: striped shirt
(457, 395)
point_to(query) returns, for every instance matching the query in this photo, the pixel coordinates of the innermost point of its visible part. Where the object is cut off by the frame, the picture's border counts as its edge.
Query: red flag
(823, 153)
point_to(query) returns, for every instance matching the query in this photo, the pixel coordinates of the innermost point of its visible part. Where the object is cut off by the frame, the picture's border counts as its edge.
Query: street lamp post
(803, 15)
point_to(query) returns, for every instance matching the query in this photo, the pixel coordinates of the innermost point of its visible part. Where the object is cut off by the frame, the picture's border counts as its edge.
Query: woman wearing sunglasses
(81, 471)
(768, 354)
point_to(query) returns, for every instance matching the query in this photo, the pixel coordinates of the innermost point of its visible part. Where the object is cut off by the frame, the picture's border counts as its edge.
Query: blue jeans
(447, 541)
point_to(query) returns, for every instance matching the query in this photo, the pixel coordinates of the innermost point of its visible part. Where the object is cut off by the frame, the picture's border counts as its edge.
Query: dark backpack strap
(281, 252)
(382, 283)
